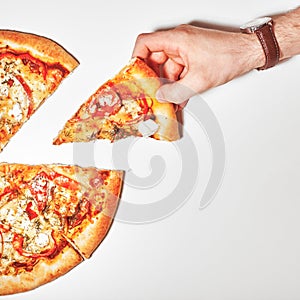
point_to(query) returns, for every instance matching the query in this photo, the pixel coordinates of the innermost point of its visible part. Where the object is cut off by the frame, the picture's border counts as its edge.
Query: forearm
(287, 31)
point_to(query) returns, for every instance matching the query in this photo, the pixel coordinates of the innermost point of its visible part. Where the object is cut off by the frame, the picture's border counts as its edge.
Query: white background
(245, 244)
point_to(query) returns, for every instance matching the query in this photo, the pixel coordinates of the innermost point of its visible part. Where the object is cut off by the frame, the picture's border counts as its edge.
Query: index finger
(147, 43)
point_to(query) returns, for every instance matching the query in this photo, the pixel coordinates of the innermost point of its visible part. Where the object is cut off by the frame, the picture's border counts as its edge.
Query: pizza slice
(90, 197)
(123, 106)
(31, 69)
(52, 217)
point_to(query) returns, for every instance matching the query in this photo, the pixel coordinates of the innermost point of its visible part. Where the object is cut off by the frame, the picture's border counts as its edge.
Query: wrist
(252, 51)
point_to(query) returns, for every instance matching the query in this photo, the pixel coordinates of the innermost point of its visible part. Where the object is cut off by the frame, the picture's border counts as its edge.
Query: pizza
(31, 69)
(52, 217)
(123, 106)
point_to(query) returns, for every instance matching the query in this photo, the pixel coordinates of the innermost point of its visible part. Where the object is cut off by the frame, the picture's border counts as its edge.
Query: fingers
(177, 92)
(147, 43)
(160, 51)
(171, 70)
(156, 60)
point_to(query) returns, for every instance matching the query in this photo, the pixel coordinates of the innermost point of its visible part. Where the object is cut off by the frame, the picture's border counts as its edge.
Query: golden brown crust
(44, 271)
(40, 47)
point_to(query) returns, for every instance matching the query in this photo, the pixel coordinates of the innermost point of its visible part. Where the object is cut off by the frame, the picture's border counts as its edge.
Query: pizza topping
(16, 112)
(42, 240)
(96, 182)
(82, 210)
(6, 191)
(30, 212)
(66, 182)
(40, 190)
(144, 105)
(35, 65)
(29, 94)
(105, 103)
(34, 247)
(1, 244)
(4, 90)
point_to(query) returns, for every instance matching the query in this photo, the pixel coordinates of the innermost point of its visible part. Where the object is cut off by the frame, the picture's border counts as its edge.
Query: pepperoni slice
(104, 103)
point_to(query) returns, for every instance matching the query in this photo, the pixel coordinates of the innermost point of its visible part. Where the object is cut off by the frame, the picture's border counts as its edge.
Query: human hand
(194, 59)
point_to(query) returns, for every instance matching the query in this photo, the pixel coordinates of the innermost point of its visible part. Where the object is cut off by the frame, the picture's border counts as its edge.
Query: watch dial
(255, 24)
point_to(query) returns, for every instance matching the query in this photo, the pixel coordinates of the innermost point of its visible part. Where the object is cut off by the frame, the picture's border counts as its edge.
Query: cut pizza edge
(70, 248)
(123, 106)
(46, 63)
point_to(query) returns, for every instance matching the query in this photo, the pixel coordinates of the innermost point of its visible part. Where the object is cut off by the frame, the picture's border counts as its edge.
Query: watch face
(252, 26)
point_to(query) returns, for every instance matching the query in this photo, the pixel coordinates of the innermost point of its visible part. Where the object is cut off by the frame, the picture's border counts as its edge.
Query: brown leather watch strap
(270, 46)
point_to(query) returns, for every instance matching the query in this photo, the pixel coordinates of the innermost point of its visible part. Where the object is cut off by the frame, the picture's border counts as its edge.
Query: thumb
(176, 92)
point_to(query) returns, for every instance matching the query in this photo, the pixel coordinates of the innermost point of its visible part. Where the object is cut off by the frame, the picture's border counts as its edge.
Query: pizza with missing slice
(31, 69)
(123, 106)
(52, 217)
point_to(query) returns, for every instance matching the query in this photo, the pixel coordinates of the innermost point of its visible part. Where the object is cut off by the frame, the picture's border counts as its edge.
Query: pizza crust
(40, 47)
(44, 271)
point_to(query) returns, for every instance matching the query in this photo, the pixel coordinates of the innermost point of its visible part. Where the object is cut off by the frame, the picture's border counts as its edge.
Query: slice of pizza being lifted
(123, 106)
(52, 217)
(31, 69)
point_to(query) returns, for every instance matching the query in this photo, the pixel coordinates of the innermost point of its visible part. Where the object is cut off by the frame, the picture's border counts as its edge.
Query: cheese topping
(130, 109)
(42, 240)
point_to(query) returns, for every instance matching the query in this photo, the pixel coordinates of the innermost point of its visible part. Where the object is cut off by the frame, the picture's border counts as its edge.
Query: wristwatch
(263, 28)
